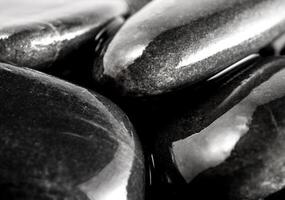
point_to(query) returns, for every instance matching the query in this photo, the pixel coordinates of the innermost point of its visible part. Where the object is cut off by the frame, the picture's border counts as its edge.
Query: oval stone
(173, 44)
(61, 141)
(35, 34)
(230, 145)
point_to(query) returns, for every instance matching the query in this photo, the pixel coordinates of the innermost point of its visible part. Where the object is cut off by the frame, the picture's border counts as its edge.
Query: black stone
(229, 144)
(61, 141)
(169, 45)
(37, 34)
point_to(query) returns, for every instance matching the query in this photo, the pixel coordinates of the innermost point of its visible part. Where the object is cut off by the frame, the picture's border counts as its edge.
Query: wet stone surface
(168, 45)
(196, 78)
(60, 141)
(38, 34)
(229, 144)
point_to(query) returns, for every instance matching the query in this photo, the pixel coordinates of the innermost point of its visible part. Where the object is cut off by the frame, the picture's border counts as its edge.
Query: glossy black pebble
(36, 34)
(230, 145)
(169, 44)
(60, 141)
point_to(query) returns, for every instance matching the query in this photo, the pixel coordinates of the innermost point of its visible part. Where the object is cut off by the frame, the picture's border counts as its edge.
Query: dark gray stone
(230, 144)
(169, 44)
(61, 141)
(36, 34)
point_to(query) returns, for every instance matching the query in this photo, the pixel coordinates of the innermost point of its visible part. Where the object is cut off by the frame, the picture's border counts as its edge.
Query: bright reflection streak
(223, 41)
(228, 69)
(45, 41)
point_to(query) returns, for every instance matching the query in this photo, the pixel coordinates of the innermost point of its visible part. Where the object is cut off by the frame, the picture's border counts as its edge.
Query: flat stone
(230, 144)
(35, 34)
(169, 44)
(61, 141)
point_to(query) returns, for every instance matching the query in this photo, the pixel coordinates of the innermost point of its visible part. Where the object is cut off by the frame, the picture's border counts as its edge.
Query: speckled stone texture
(37, 34)
(60, 141)
(169, 45)
(229, 144)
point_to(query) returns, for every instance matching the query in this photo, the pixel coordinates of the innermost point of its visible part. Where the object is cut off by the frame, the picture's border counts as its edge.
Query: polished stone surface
(230, 144)
(172, 44)
(136, 5)
(61, 141)
(35, 34)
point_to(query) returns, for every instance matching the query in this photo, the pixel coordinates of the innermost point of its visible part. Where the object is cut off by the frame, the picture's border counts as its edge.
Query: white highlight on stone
(159, 15)
(111, 183)
(214, 144)
(239, 33)
(45, 41)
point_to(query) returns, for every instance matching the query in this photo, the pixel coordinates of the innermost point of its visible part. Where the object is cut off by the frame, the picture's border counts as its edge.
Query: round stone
(169, 45)
(36, 34)
(61, 141)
